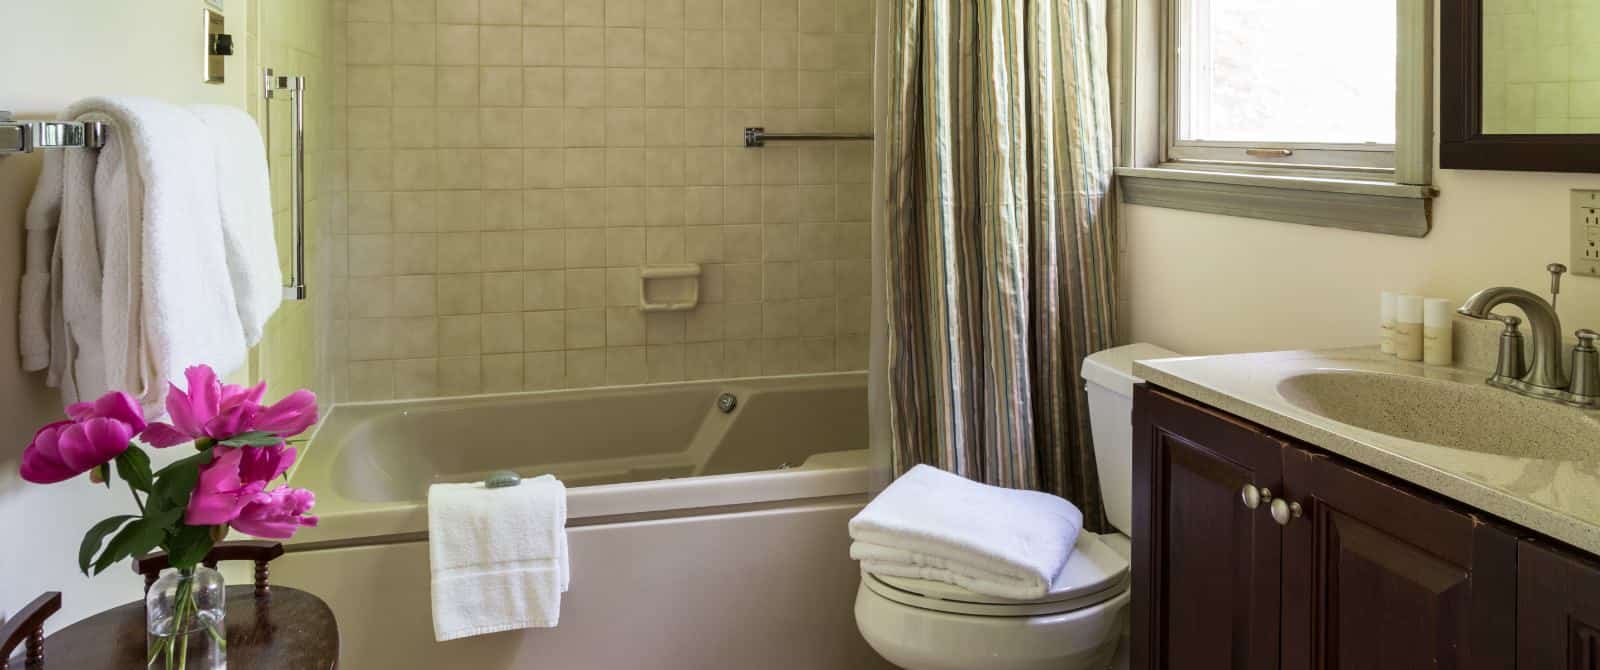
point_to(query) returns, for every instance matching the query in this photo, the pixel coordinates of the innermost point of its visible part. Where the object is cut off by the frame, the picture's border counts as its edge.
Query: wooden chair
(28, 625)
(260, 551)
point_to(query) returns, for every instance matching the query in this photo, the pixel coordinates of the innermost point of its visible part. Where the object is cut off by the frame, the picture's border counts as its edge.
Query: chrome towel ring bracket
(23, 137)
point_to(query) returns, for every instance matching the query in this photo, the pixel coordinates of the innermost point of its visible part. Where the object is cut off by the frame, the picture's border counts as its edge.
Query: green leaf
(188, 545)
(96, 535)
(175, 482)
(164, 519)
(198, 459)
(134, 467)
(254, 438)
(136, 539)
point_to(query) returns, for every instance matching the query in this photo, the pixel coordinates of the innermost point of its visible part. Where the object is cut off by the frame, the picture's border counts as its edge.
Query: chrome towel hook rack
(23, 137)
(295, 87)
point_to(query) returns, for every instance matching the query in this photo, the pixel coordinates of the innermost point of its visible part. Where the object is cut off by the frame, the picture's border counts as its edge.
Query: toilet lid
(1093, 574)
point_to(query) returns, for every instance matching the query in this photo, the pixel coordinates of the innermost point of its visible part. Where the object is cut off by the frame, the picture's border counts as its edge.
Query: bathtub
(706, 522)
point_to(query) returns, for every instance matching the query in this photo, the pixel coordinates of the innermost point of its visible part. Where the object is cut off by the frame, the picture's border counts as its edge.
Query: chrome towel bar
(22, 137)
(296, 88)
(759, 137)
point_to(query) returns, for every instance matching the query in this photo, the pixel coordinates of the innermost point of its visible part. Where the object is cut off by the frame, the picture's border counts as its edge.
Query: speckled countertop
(1553, 490)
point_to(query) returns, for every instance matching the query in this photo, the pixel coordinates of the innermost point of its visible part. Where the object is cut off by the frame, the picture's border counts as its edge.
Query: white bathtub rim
(369, 520)
(824, 475)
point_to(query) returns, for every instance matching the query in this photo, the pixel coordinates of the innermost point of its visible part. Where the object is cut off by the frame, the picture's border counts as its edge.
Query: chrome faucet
(1539, 374)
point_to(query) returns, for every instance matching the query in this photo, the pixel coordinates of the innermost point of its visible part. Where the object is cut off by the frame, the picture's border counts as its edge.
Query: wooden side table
(268, 626)
(285, 628)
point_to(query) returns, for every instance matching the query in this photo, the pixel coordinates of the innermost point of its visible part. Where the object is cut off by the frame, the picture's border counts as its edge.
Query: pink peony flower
(114, 405)
(235, 477)
(277, 514)
(290, 416)
(220, 493)
(95, 434)
(213, 410)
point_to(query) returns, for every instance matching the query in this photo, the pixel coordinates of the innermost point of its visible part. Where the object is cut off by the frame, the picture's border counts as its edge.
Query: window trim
(1150, 175)
(1357, 160)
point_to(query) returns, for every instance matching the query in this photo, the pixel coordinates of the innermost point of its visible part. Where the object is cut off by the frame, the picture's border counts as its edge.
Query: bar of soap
(502, 479)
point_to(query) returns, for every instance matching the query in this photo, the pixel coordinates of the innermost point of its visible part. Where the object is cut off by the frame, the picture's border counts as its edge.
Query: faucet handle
(1586, 339)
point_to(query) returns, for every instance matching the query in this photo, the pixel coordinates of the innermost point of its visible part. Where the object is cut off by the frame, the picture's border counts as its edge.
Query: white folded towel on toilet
(498, 556)
(930, 524)
(245, 204)
(126, 282)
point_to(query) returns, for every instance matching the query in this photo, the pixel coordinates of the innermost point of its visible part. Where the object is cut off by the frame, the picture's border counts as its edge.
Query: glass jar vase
(184, 625)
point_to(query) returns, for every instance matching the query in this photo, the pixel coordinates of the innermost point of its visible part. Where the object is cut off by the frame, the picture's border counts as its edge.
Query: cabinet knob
(1283, 512)
(1253, 497)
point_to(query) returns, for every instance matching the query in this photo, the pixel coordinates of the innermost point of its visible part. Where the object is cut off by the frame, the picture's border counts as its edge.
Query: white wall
(55, 52)
(1203, 283)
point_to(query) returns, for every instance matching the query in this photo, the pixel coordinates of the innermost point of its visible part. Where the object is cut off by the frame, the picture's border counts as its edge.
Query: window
(1310, 84)
(1316, 112)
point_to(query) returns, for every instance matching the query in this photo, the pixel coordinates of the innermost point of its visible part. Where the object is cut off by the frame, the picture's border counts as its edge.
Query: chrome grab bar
(759, 137)
(296, 88)
(22, 137)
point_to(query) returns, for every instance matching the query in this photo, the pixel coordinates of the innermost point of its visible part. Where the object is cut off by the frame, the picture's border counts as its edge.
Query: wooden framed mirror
(1519, 85)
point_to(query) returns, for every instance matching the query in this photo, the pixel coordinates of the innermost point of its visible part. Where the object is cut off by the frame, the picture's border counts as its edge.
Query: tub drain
(726, 402)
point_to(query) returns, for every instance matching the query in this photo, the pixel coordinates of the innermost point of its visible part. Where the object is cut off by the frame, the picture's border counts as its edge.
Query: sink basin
(1474, 417)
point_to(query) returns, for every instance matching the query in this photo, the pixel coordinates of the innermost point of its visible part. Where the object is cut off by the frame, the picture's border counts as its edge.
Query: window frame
(1354, 160)
(1390, 200)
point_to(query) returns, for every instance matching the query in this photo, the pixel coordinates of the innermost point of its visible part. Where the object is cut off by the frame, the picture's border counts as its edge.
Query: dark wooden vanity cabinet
(1558, 609)
(1200, 556)
(1334, 567)
(1376, 576)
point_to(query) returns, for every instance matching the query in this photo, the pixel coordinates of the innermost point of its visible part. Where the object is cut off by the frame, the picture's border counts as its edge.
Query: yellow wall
(66, 50)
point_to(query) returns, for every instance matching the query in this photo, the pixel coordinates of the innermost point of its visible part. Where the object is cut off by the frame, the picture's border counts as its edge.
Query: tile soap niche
(669, 288)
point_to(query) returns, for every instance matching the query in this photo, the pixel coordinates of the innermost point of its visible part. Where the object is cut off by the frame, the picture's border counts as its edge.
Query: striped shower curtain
(1000, 238)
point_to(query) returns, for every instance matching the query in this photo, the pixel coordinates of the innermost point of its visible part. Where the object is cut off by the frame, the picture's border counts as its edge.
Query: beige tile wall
(513, 163)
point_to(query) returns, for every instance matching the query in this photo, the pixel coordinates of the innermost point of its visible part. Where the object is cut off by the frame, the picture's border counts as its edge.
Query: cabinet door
(1377, 577)
(1206, 589)
(1558, 610)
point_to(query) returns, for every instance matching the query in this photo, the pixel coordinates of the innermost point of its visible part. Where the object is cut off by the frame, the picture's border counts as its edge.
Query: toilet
(924, 625)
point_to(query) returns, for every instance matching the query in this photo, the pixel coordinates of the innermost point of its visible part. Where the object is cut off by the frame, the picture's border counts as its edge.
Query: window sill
(1366, 206)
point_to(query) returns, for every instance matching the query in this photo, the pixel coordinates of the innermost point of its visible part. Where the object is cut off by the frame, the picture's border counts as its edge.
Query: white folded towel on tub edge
(498, 557)
(930, 524)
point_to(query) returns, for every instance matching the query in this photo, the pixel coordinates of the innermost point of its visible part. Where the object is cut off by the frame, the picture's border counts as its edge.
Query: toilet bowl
(924, 625)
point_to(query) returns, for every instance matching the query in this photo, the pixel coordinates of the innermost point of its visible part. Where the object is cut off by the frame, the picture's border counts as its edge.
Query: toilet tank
(1108, 379)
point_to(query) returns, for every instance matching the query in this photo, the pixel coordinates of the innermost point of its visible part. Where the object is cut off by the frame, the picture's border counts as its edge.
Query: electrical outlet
(1586, 233)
